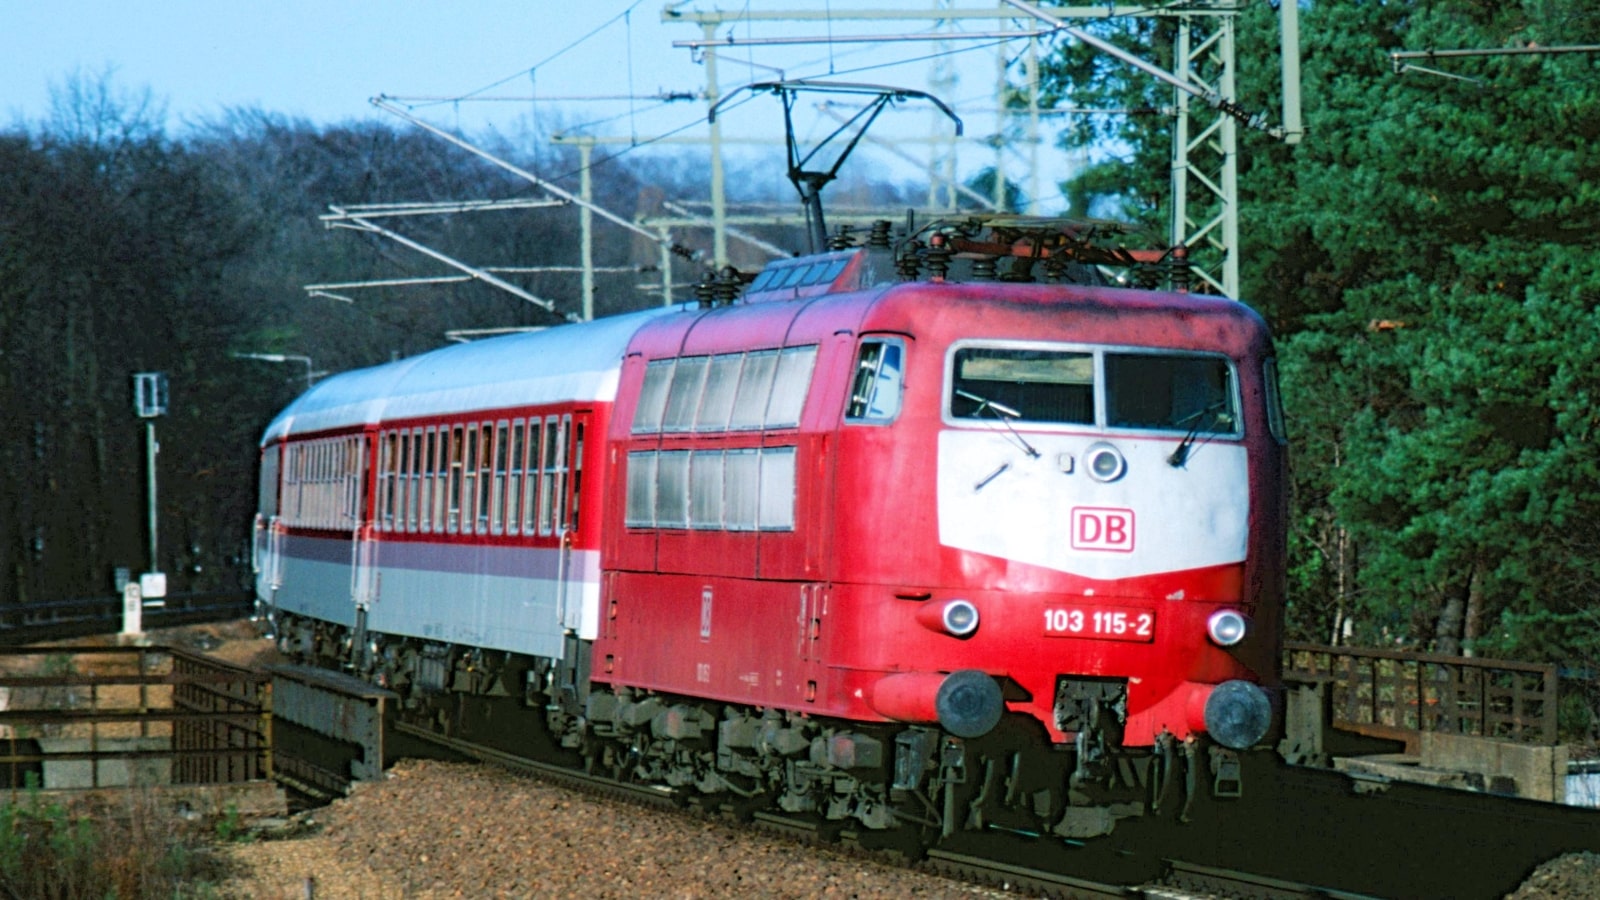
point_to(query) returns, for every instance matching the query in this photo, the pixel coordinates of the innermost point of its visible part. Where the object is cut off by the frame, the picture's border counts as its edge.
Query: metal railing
(1394, 692)
(130, 716)
(82, 617)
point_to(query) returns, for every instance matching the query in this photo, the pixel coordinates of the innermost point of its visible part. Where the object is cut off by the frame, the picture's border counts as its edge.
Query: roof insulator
(879, 237)
(909, 264)
(727, 285)
(841, 239)
(938, 256)
(705, 288)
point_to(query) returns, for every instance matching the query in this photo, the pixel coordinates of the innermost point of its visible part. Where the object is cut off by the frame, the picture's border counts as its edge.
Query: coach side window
(456, 447)
(875, 390)
(434, 477)
(387, 448)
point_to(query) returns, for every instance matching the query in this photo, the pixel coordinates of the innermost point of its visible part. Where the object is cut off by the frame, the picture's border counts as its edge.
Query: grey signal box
(150, 394)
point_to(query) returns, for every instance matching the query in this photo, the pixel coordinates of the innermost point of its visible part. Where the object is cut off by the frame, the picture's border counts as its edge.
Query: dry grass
(130, 848)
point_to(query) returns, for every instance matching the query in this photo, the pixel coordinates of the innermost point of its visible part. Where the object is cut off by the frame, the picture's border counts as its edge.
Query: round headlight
(960, 617)
(1226, 627)
(1104, 463)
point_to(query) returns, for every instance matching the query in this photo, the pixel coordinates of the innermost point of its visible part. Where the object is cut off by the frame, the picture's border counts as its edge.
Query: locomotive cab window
(875, 390)
(1023, 384)
(1165, 392)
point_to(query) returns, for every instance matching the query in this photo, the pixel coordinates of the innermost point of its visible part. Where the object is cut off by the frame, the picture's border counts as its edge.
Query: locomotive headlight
(1226, 627)
(960, 617)
(1103, 462)
(957, 618)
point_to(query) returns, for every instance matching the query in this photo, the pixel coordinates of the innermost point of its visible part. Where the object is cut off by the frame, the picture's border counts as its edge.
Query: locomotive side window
(1269, 377)
(722, 385)
(741, 489)
(653, 396)
(1028, 385)
(755, 387)
(641, 489)
(705, 489)
(790, 386)
(726, 392)
(684, 397)
(745, 489)
(672, 489)
(776, 512)
(875, 390)
(1166, 392)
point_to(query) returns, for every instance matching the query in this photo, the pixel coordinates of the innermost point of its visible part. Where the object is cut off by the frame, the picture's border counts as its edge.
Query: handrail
(1416, 692)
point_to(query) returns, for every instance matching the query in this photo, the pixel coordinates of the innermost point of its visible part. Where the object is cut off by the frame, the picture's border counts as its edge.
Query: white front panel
(996, 499)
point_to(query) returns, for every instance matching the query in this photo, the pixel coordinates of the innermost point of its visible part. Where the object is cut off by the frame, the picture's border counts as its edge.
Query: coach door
(564, 476)
(266, 550)
(363, 536)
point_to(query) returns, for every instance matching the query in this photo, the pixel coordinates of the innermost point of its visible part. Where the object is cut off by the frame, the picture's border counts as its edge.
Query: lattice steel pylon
(1205, 145)
(1205, 153)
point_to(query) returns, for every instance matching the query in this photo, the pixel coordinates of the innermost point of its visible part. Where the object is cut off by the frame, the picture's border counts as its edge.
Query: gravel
(435, 830)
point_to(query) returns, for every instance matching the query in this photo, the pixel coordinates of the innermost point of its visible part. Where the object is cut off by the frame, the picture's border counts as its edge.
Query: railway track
(1178, 879)
(1293, 831)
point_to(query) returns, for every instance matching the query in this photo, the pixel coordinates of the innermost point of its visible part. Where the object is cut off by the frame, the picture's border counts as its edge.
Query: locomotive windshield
(1031, 385)
(1147, 391)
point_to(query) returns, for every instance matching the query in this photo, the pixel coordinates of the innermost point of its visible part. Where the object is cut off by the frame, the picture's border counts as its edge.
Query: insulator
(938, 256)
(727, 285)
(909, 265)
(1180, 269)
(841, 240)
(705, 288)
(984, 269)
(879, 237)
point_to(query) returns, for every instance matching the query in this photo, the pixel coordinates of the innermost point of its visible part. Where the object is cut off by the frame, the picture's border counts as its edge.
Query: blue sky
(323, 59)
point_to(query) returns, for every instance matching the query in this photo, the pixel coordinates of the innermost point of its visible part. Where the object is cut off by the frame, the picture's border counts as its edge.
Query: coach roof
(562, 364)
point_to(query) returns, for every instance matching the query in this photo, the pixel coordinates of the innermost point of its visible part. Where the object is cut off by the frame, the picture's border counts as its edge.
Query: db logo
(1102, 528)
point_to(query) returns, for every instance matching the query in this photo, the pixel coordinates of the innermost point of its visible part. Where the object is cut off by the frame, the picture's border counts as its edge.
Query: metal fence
(1388, 691)
(91, 717)
(82, 617)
